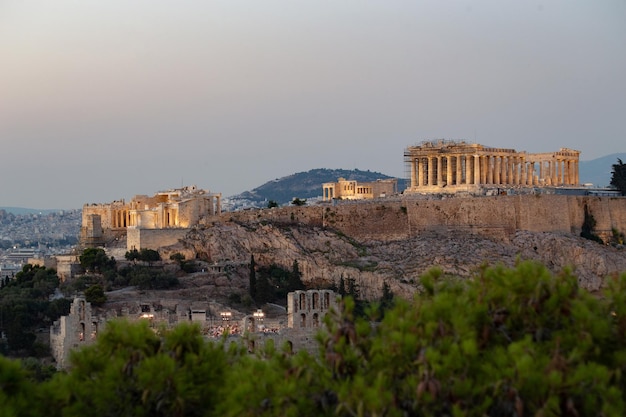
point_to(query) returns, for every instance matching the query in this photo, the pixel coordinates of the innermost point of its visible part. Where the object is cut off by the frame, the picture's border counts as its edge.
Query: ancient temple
(175, 210)
(353, 190)
(453, 166)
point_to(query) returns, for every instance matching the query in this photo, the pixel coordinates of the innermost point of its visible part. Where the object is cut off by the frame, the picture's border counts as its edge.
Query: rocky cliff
(369, 243)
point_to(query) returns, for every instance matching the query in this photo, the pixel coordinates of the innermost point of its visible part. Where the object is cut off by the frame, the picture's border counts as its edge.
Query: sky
(103, 100)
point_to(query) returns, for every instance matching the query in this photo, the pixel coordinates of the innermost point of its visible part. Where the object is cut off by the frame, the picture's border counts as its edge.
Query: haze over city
(104, 100)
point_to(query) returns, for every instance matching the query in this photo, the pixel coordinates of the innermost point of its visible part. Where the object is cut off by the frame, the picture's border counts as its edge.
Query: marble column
(497, 170)
(431, 171)
(459, 175)
(483, 169)
(476, 169)
(448, 170)
(414, 173)
(439, 171)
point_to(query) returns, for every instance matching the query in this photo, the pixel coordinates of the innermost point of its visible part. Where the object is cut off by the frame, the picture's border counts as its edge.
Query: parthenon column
(439, 171)
(553, 171)
(570, 177)
(497, 170)
(431, 171)
(488, 171)
(459, 176)
(509, 177)
(414, 173)
(468, 170)
(483, 169)
(476, 169)
(448, 170)
(507, 170)
(576, 179)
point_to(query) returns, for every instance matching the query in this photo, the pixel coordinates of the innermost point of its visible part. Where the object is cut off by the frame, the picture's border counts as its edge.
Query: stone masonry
(454, 166)
(304, 317)
(171, 212)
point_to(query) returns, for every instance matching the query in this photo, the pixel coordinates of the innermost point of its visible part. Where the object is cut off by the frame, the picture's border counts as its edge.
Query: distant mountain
(304, 185)
(598, 171)
(22, 210)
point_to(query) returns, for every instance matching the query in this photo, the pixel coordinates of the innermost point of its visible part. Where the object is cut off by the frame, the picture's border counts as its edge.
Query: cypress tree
(252, 278)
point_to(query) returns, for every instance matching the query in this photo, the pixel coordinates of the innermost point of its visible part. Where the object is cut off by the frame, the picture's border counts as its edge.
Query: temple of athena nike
(455, 166)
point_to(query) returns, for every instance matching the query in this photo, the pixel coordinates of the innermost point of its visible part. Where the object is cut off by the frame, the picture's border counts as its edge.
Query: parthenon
(453, 166)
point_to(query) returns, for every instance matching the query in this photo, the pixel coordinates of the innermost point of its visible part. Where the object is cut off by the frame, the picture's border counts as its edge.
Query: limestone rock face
(590, 261)
(325, 255)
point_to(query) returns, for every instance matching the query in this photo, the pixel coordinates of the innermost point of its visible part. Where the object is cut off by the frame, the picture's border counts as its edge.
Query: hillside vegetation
(509, 342)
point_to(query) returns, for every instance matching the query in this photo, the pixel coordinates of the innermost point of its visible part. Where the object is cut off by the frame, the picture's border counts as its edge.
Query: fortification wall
(152, 238)
(494, 216)
(102, 210)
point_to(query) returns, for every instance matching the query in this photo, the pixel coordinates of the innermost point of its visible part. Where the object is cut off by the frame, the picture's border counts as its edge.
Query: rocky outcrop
(325, 254)
(591, 262)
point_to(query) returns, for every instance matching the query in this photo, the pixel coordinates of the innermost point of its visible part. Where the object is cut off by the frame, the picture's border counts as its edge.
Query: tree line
(508, 342)
(32, 300)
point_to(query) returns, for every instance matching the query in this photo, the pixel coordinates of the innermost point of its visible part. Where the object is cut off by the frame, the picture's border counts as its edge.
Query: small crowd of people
(219, 331)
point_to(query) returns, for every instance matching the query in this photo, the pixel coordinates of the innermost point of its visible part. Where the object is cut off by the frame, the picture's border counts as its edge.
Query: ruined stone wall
(67, 266)
(496, 216)
(386, 187)
(152, 238)
(79, 328)
(105, 211)
(191, 211)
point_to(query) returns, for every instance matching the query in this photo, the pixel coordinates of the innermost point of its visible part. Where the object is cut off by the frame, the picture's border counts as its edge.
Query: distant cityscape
(34, 235)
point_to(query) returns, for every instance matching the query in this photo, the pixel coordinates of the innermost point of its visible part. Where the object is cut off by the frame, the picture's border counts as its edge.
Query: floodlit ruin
(172, 210)
(453, 166)
(296, 327)
(353, 190)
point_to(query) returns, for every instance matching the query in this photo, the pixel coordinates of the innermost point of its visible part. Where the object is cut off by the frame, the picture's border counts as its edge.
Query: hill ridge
(307, 184)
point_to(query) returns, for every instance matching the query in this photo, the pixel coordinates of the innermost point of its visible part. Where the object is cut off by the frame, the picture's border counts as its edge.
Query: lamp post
(226, 315)
(258, 317)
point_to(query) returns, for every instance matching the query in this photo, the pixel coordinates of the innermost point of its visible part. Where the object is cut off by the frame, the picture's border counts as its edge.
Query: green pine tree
(252, 278)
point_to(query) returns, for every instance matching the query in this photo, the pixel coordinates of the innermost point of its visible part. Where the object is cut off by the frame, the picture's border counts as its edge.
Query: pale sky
(102, 100)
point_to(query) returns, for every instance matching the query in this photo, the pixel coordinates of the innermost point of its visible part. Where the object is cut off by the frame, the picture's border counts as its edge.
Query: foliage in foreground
(618, 176)
(510, 342)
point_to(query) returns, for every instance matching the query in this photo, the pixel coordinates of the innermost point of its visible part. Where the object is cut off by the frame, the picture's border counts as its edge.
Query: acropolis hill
(466, 205)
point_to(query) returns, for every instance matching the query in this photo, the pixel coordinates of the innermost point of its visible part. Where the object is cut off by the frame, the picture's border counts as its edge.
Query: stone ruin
(295, 328)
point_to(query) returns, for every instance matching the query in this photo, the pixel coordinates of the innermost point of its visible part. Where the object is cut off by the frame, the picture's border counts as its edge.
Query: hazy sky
(102, 100)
